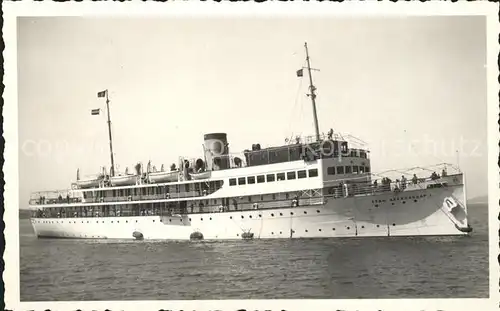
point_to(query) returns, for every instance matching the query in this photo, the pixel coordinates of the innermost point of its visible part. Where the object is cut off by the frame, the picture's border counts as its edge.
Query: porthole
(291, 213)
(87, 222)
(170, 220)
(210, 218)
(362, 227)
(404, 202)
(237, 234)
(272, 232)
(189, 219)
(280, 232)
(319, 230)
(272, 215)
(415, 201)
(250, 216)
(200, 219)
(376, 205)
(392, 203)
(305, 212)
(348, 228)
(317, 211)
(119, 221)
(126, 221)
(136, 221)
(293, 231)
(153, 220)
(281, 214)
(260, 215)
(97, 222)
(242, 216)
(307, 231)
(230, 217)
(394, 224)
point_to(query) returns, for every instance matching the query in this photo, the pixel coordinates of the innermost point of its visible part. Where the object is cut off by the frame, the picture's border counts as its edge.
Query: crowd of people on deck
(350, 189)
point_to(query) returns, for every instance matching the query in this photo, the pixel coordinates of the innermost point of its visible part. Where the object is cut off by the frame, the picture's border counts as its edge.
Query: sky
(413, 88)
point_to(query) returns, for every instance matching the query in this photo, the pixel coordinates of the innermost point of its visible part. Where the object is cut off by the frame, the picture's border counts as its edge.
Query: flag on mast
(95, 112)
(300, 72)
(102, 93)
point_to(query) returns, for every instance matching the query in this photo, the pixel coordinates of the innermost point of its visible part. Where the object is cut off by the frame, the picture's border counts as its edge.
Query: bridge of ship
(305, 147)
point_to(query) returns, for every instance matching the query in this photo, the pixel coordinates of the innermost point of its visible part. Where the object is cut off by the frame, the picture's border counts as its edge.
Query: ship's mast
(313, 94)
(112, 170)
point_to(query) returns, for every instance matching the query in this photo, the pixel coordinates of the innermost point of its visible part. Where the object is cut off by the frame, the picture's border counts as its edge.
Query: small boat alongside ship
(320, 186)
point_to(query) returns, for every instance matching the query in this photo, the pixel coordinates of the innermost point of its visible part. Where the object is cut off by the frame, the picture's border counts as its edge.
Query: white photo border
(12, 10)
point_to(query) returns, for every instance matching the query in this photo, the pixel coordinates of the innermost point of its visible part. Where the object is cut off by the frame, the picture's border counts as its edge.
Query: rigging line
(299, 88)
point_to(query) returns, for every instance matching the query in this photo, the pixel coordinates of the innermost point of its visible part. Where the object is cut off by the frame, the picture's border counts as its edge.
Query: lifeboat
(158, 177)
(201, 175)
(124, 180)
(90, 183)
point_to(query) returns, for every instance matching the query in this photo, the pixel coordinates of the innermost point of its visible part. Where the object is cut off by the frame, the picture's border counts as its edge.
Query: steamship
(310, 187)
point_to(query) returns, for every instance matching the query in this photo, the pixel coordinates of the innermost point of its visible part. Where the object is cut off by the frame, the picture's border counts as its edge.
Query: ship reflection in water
(424, 267)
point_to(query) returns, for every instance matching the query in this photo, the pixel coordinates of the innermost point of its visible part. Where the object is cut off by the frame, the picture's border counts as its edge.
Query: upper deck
(249, 185)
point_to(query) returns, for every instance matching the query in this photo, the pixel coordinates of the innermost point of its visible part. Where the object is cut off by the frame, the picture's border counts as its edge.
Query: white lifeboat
(201, 175)
(159, 177)
(90, 183)
(124, 180)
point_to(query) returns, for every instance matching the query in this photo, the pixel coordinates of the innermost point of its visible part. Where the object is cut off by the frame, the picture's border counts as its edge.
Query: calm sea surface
(425, 267)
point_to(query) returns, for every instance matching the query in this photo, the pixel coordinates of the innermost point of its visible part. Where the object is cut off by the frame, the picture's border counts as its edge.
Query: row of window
(349, 169)
(209, 186)
(170, 220)
(274, 177)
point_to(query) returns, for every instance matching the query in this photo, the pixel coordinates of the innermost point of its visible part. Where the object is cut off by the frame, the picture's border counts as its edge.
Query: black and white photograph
(347, 160)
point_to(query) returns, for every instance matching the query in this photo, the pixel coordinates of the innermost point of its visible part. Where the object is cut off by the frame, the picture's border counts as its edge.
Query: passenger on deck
(444, 173)
(434, 176)
(67, 198)
(397, 185)
(403, 182)
(59, 198)
(414, 179)
(330, 134)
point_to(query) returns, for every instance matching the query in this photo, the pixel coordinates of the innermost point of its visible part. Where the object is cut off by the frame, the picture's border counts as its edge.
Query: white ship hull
(423, 212)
